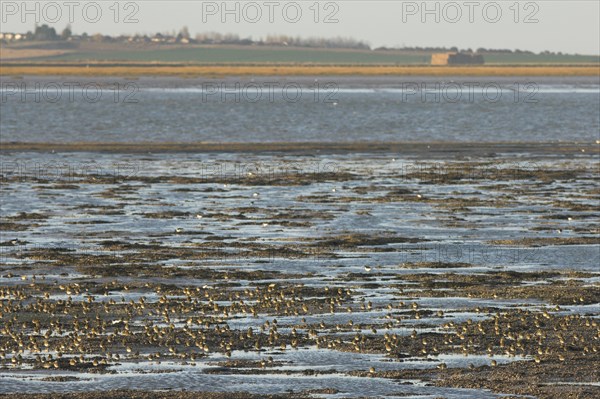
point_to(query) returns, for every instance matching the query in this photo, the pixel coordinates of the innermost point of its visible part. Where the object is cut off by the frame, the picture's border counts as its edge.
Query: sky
(569, 26)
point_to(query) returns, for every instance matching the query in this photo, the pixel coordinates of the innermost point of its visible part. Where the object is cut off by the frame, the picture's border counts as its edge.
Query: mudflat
(187, 265)
(433, 149)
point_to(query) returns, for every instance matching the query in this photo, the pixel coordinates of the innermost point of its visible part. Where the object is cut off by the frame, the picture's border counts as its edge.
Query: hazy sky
(556, 25)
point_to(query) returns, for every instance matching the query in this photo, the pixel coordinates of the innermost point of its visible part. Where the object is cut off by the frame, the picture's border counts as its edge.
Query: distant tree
(44, 32)
(281, 40)
(185, 33)
(66, 33)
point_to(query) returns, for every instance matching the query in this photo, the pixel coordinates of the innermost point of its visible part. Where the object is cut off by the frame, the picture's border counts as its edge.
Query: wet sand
(469, 266)
(183, 70)
(151, 395)
(414, 149)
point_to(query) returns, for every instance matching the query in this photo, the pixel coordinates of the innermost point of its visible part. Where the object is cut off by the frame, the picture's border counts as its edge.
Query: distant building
(456, 59)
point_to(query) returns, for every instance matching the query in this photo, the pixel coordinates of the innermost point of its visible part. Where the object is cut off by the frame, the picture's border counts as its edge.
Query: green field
(281, 55)
(540, 59)
(250, 55)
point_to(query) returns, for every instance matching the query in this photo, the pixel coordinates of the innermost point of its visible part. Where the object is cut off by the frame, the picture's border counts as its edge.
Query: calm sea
(301, 109)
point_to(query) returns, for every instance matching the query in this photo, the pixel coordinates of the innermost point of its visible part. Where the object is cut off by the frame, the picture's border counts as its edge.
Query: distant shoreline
(181, 70)
(442, 149)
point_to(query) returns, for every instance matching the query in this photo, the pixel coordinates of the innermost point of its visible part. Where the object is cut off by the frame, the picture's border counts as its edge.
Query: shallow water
(179, 376)
(332, 109)
(241, 221)
(87, 199)
(263, 384)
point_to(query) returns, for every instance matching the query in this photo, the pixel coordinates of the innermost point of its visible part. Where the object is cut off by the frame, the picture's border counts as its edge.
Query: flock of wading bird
(42, 325)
